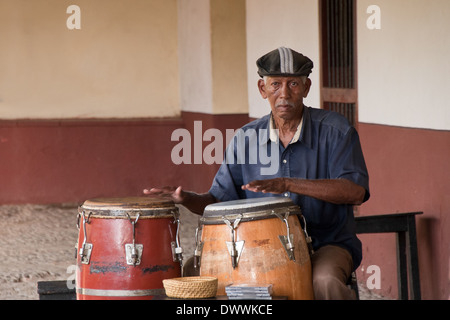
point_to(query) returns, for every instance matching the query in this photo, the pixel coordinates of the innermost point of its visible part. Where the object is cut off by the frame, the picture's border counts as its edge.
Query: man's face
(285, 95)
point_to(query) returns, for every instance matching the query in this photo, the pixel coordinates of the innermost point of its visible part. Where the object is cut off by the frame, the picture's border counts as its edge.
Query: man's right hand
(175, 193)
(193, 201)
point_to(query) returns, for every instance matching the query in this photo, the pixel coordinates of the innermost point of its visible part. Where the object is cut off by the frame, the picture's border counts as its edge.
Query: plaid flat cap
(284, 62)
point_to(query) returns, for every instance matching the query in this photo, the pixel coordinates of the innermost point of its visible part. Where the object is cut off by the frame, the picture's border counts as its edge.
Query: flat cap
(284, 62)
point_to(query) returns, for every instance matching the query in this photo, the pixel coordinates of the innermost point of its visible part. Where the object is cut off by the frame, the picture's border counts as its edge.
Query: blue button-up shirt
(328, 148)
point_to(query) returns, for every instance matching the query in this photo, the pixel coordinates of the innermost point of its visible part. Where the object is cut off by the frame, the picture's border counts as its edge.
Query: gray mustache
(283, 103)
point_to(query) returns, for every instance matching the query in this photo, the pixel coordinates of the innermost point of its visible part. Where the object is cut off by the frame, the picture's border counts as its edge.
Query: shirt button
(284, 161)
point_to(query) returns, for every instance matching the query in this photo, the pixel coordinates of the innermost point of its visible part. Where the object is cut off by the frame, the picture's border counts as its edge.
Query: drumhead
(248, 209)
(131, 207)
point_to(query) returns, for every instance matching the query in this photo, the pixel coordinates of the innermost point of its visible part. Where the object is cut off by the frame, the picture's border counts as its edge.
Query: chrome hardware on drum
(256, 241)
(126, 247)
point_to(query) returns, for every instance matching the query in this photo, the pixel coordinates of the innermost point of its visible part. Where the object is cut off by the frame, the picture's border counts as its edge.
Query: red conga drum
(257, 242)
(126, 247)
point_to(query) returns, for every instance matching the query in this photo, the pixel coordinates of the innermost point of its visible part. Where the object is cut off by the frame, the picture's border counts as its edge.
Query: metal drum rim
(249, 202)
(251, 216)
(115, 208)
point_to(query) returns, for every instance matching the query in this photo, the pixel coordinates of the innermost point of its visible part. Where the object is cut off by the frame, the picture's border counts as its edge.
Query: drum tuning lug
(86, 248)
(133, 253)
(198, 254)
(307, 237)
(235, 250)
(288, 240)
(198, 246)
(177, 252)
(288, 246)
(309, 245)
(85, 253)
(234, 247)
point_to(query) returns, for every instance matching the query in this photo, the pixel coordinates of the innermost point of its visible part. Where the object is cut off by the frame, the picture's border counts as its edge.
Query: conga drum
(257, 242)
(126, 247)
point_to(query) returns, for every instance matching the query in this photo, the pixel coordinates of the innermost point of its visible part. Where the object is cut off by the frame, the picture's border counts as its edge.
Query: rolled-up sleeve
(346, 160)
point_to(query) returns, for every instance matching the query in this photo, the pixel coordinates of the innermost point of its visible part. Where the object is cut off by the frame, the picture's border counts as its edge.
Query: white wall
(289, 23)
(121, 63)
(194, 51)
(404, 67)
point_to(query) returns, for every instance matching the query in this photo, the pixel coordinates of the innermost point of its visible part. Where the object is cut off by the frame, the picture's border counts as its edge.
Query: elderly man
(320, 167)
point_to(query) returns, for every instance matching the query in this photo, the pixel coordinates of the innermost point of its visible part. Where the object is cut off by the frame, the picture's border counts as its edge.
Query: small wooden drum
(126, 247)
(256, 241)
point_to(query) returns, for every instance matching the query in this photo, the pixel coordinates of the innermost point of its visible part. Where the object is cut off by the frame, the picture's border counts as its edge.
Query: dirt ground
(37, 243)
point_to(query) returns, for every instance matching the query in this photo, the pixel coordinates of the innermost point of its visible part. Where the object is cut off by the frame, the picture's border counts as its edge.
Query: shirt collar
(273, 132)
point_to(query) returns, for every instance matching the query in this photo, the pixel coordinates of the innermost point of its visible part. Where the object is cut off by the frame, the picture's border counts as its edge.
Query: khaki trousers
(331, 268)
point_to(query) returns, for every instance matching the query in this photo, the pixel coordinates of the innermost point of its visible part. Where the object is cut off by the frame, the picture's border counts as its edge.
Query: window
(338, 57)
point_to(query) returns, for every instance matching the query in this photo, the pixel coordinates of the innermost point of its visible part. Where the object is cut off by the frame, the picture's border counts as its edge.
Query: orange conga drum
(126, 248)
(257, 242)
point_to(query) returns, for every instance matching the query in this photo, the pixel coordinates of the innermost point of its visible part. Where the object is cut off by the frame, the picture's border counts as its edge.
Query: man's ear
(262, 88)
(307, 85)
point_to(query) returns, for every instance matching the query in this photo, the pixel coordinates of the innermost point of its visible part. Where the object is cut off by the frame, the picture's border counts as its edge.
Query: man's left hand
(277, 185)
